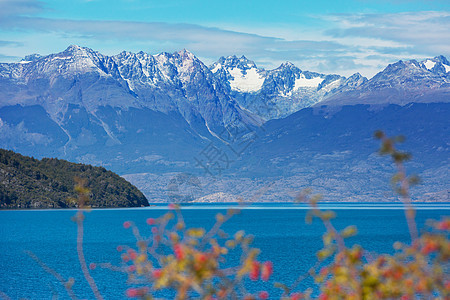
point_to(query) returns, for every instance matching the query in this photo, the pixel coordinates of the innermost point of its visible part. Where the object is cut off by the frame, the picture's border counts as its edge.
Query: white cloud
(422, 33)
(342, 43)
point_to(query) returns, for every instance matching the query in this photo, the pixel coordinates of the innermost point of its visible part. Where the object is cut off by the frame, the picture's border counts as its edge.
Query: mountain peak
(288, 66)
(232, 61)
(442, 59)
(438, 65)
(74, 48)
(186, 54)
(357, 75)
(31, 57)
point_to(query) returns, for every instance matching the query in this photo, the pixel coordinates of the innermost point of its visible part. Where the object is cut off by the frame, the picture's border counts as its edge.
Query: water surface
(280, 232)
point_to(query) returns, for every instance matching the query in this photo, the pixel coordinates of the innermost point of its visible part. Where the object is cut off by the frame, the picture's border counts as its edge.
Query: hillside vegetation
(26, 182)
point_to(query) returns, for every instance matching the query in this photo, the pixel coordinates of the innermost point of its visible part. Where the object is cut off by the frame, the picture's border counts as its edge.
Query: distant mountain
(403, 82)
(329, 146)
(150, 117)
(280, 92)
(87, 107)
(26, 182)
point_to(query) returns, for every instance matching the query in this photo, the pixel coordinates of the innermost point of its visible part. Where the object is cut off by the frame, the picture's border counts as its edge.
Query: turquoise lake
(280, 232)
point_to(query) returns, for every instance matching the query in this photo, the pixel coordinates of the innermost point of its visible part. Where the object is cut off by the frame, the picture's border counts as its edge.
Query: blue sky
(340, 37)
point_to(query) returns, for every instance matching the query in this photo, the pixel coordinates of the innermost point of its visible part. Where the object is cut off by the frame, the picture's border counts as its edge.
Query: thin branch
(4, 296)
(409, 210)
(52, 272)
(81, 258)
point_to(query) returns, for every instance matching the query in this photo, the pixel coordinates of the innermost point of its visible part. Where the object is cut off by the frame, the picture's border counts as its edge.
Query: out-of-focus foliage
(416, 271)
(192, 262)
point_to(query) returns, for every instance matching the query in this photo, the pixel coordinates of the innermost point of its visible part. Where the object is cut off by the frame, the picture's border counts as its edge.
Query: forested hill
(26, 182)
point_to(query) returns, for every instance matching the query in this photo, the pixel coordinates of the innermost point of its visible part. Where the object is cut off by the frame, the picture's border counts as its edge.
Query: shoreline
(261, 205)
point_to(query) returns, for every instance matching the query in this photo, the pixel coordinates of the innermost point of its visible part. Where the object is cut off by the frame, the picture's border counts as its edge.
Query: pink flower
(126, 224)
(92, 266)
(119, 248)
(154, 230)
(151, 221)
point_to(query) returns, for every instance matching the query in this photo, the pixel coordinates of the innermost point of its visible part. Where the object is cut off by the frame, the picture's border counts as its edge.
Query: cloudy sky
(340, 37)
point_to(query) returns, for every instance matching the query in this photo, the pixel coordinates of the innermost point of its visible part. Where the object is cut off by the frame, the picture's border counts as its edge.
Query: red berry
(323, 297)
(296, 296)
(202, 258)
(157, 273)
(132, 268)
(444, 225)
(254, 272)
(263, 295)
(132, 254)
(132, 293)
(266, 270)
(151, 221)
(92, 266)
(179, 253)
(126, 224)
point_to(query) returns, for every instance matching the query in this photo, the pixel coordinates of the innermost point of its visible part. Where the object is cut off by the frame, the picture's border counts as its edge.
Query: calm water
(280, 232)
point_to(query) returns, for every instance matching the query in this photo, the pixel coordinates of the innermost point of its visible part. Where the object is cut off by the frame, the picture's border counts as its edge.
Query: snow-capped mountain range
(231, 91)
(177, 82)
(278, 93)
(141, 113)
(401, 83)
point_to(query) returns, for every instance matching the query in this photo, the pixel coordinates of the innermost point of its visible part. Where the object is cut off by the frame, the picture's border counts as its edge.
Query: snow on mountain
(307, 82)
(438, 65)
(241, 74)
(80, 101)
(137, 112)
(177, 82)
(429, 64)
(247, 82)
(279, 92)
(403, 82)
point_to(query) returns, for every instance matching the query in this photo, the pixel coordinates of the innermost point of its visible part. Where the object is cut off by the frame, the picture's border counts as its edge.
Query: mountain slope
(159, 115)
(401, 83)
(26, 182)
(280, 92)
(90, 108)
